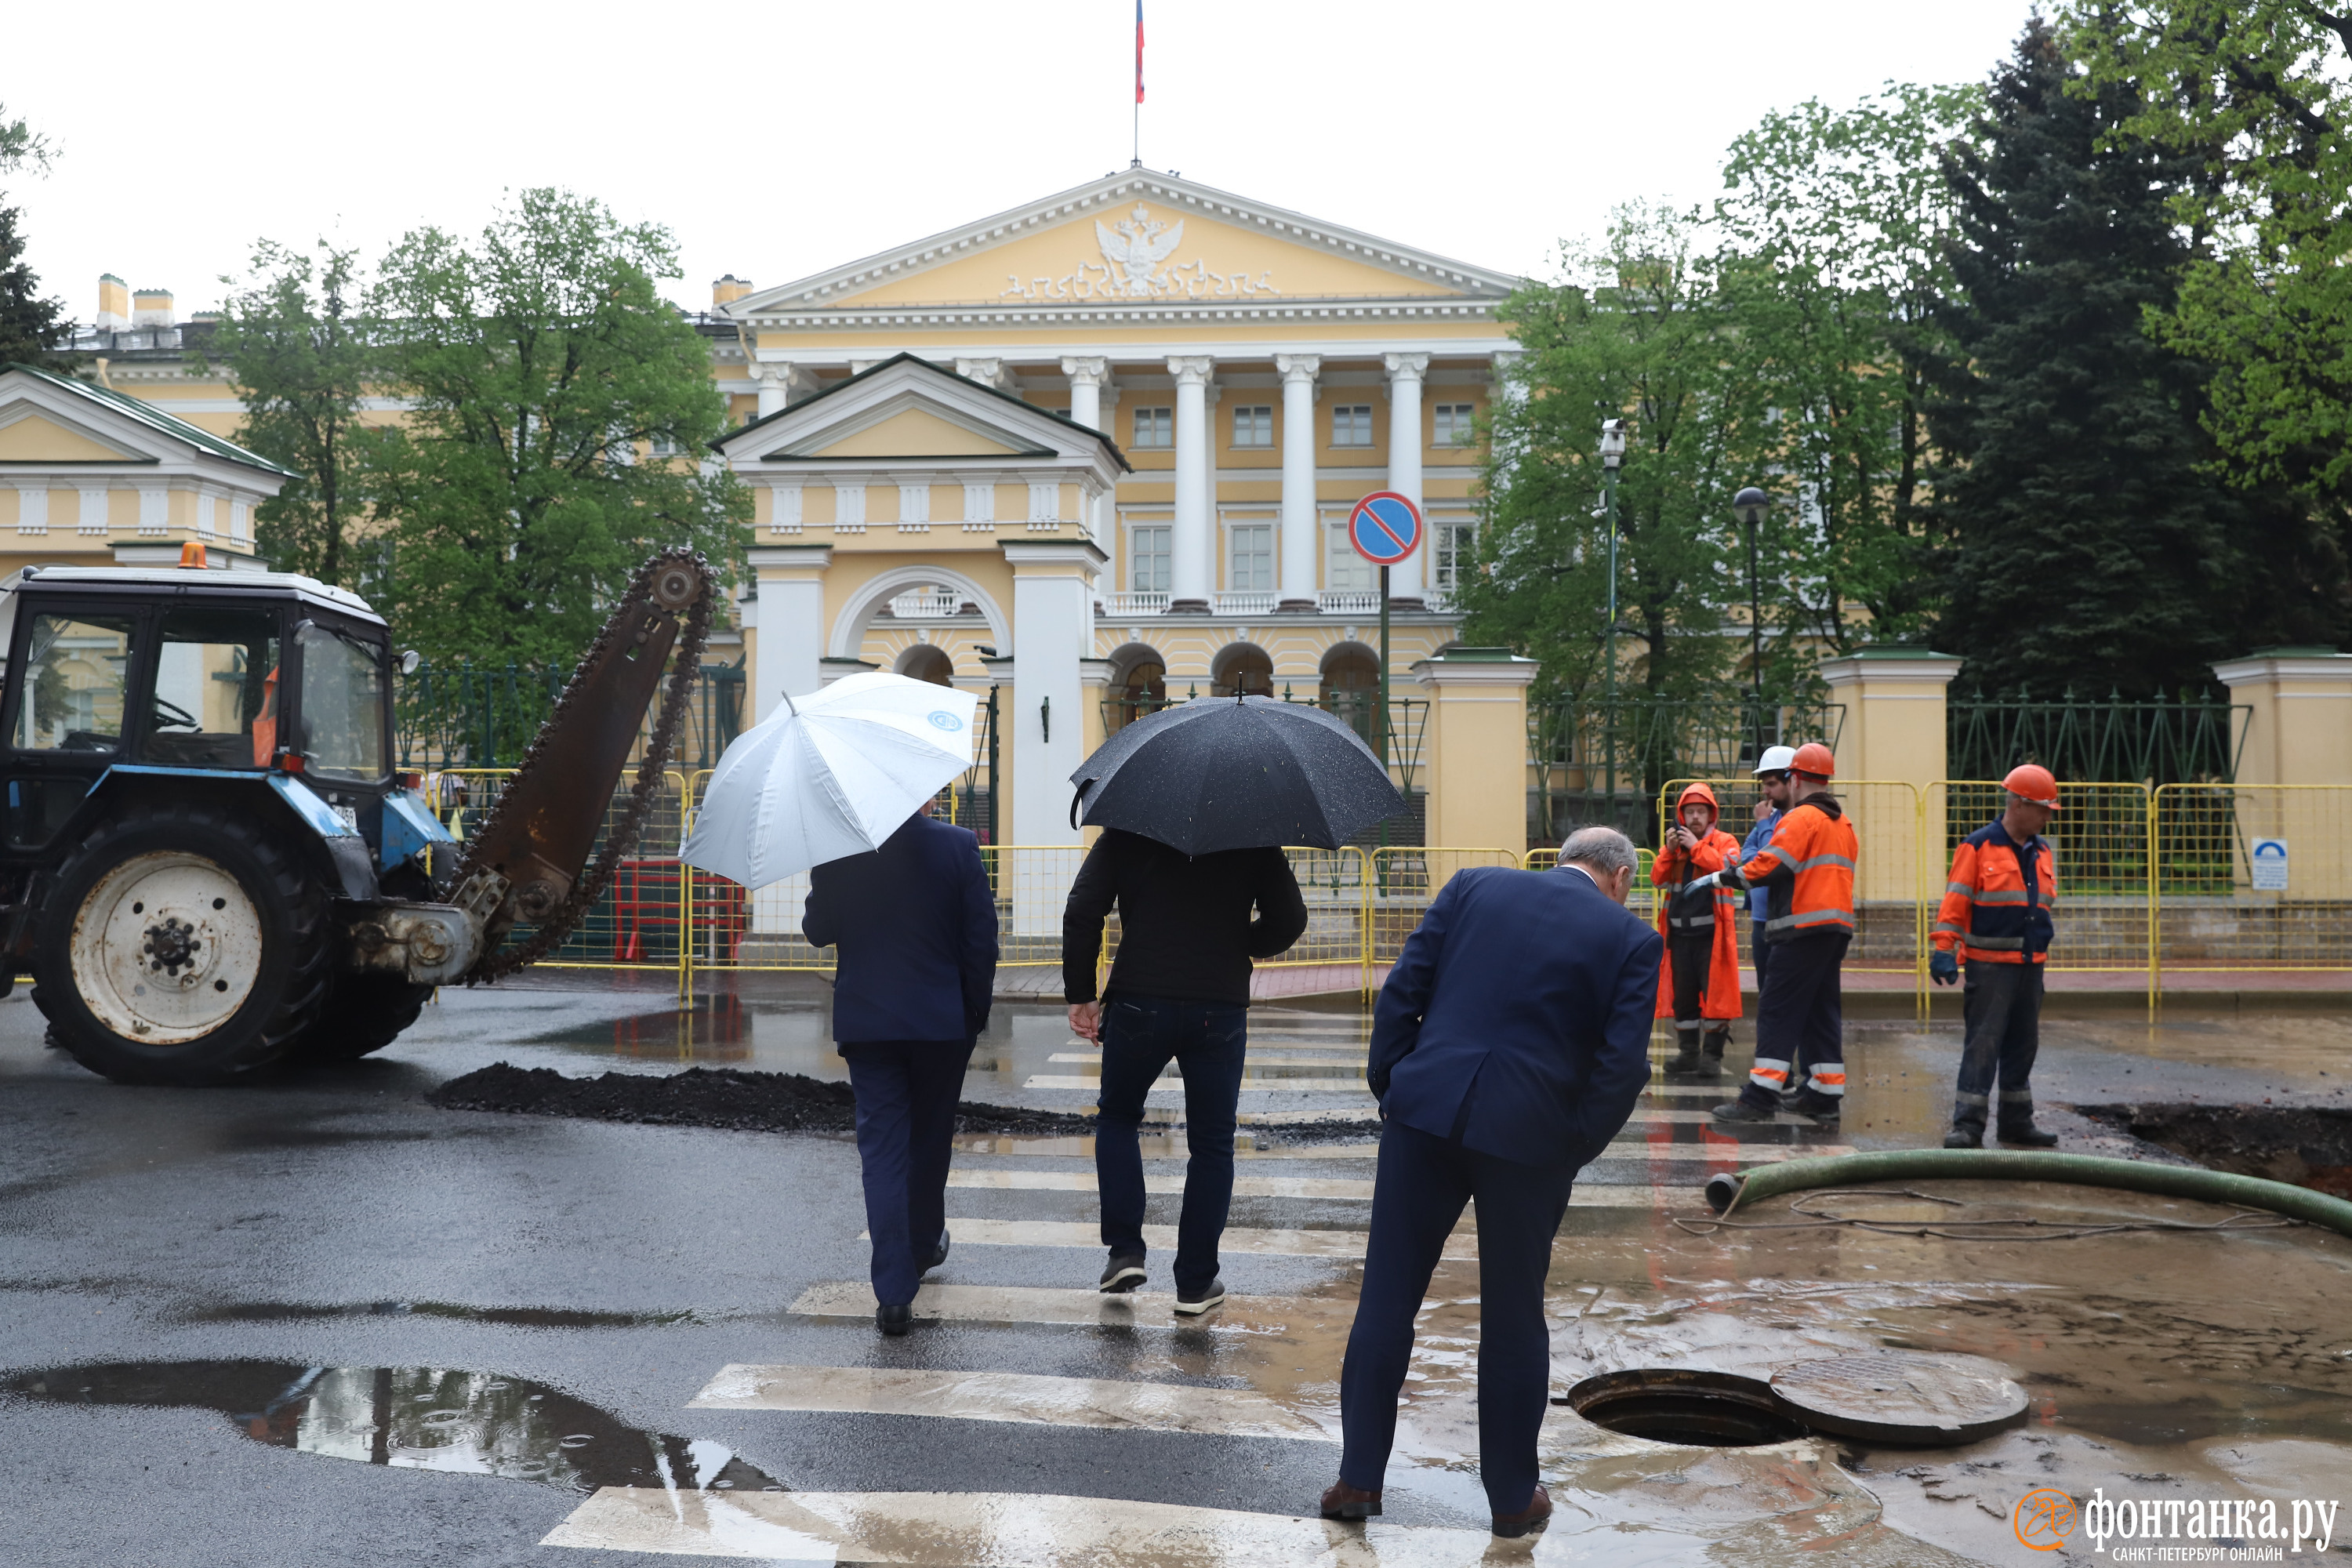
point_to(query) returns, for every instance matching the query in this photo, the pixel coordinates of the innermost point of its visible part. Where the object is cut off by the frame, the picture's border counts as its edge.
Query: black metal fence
(1601, 761)
(2194, 739)
(465, 716)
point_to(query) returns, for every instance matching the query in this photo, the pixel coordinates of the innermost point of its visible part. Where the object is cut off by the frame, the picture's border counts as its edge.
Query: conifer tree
(2096, 550)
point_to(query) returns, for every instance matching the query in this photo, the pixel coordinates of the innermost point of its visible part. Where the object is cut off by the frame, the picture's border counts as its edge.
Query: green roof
(155, 418)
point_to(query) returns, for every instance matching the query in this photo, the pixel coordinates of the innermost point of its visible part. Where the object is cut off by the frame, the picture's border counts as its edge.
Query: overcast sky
(778, 140)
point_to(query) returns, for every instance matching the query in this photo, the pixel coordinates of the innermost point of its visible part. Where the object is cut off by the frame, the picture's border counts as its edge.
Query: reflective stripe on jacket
(1808, 869)
(1991, 912)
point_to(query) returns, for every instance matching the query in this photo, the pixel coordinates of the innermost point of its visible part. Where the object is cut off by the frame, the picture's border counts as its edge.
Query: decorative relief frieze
(1137, 263)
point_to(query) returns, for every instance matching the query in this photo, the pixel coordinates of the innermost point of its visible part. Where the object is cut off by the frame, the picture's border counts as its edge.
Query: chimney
(152, 307)
(113, 303)
(729, 289)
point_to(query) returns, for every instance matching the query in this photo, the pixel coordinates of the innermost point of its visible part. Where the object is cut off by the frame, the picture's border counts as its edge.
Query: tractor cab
(184, 672)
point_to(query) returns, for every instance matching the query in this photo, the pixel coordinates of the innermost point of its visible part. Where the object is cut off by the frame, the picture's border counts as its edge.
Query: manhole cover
(1682, 1405)
(1900, 1398)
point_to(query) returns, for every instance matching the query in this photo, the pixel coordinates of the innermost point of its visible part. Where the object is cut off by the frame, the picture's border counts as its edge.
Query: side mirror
(409, 660)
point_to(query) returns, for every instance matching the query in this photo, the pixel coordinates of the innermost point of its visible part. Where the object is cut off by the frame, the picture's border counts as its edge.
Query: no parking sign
(1385, 528)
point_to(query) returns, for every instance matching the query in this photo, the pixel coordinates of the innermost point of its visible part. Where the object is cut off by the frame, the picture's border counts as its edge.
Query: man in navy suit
(1508, 1047)
(915, 924)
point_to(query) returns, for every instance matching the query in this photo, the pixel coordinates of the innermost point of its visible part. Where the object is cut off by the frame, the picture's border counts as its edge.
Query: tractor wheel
(365, 1013)
(184, 943)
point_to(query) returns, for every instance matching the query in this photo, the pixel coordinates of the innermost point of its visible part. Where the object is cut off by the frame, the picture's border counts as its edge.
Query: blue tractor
(209, 863)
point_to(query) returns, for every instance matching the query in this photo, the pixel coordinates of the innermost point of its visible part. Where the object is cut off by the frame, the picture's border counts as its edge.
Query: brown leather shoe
(1344, 1501)
(1511, 1526)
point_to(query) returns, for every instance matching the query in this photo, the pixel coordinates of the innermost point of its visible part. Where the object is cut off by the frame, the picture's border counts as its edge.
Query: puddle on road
(509, 1317)
(417, 1417)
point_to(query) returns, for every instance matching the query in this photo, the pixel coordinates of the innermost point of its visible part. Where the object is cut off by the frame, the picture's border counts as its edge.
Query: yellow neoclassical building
(1096, 452)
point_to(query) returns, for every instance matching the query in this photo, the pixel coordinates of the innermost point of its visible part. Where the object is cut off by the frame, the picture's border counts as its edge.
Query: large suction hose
(1727, 1191)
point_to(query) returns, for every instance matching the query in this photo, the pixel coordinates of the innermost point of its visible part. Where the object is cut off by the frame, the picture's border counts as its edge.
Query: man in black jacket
(1179, 989)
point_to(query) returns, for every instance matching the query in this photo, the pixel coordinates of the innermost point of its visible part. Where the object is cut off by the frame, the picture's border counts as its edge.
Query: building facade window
(1148, 560)
(1251, 565)
(1449, 545)
(1254, 424)
(1454, 425)
(1343, 569)
(1351, 425)
(1155, 427)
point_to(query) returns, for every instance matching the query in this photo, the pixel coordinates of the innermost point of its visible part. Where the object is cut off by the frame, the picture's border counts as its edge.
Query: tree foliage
(300, 363)
(2094, 550)
(2254, 97)
(33, 329)
(1633, 331)
(544, 373)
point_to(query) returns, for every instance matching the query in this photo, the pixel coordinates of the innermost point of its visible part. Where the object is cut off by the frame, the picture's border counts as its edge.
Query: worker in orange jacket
(1996, 912)
(1808, 869)
(1699, 985)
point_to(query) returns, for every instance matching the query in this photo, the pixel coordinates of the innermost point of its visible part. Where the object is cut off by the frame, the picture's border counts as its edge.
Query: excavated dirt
(2310, 1146)
(741, 1101)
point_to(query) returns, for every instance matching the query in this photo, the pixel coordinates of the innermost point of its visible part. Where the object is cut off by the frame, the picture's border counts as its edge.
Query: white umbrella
(831, 774)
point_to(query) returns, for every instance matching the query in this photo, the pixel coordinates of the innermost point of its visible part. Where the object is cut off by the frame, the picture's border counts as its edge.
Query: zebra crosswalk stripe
(1024, 1398)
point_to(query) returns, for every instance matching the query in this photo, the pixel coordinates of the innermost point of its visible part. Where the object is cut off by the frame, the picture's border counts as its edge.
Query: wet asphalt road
(163, 1225)
(179, 1227)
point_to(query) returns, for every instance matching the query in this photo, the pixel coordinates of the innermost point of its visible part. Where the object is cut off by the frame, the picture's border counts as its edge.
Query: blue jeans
(907, 1092)
(1207, 1041)
(1423, 1185)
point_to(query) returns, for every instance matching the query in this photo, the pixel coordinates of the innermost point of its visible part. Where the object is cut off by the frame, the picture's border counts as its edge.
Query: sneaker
(1122, 1274)
(1740, 1110)
(939, 1253)
(1192, 1303)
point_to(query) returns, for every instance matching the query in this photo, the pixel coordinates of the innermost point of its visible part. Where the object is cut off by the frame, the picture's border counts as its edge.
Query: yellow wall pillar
(1475, 750)
(1893, 735)
(2299, 729)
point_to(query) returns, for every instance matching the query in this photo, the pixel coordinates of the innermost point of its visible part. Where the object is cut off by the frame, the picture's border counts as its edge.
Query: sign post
(1385, 528)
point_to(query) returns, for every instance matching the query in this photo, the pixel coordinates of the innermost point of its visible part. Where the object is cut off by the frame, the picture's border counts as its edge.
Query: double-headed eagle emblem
(1136, 250)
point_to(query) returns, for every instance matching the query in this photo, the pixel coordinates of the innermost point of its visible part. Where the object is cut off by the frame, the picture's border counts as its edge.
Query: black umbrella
(1218, 775)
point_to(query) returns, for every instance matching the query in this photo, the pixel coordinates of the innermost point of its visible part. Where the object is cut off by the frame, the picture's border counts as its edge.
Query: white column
(1404, 460)
(1052, 584)
(1087, 377)
(1299, 542)
(792, 622)
(1189, 542)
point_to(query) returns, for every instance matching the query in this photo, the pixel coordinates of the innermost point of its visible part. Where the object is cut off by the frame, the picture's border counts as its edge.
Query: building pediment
(908, 411)
(1132, 240)
(52, 421)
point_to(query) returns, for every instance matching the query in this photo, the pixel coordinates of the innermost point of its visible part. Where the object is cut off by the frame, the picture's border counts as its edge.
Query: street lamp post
(1751, 505)
(1612, 454)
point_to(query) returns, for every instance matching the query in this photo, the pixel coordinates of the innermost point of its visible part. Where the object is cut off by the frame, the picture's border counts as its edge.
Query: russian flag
(1139, 51)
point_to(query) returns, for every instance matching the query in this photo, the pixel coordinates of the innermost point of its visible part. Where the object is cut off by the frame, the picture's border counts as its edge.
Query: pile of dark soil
(761, 1102)
(2310, 1146)
(707, 1097)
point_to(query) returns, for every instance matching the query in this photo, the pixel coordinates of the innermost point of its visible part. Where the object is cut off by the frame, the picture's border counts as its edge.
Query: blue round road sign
(1385, 528)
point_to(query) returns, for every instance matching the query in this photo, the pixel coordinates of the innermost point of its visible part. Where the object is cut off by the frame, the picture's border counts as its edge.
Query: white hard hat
(1774, 760)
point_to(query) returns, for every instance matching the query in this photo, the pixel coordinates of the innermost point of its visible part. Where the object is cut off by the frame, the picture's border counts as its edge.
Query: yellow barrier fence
(2251, 877)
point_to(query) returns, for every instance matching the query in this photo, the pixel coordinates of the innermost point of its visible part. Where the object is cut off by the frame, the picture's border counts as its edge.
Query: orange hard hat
(1813, 758)
(2032, 782)
(1698, 791)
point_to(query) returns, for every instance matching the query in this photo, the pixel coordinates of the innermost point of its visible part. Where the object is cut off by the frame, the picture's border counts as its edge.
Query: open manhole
(1682, 1404)
(1891, 1397)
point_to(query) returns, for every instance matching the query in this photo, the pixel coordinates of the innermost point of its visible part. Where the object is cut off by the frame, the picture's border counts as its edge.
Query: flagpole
(1137, 153)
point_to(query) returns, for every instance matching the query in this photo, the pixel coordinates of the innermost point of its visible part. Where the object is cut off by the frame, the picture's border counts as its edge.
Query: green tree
(2094, 548)
(300, 363)
(2256, 97)
(1834, 273)
(542, 371)
(1632, 330)
(33, 330)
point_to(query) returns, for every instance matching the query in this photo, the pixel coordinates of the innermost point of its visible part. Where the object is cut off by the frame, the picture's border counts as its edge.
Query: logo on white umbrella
(943, 720)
